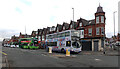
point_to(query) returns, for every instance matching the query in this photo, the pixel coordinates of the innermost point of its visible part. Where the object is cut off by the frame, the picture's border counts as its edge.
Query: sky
(15, 15)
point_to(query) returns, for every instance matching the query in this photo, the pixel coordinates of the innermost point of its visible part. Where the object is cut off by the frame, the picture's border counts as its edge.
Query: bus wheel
(28, 47)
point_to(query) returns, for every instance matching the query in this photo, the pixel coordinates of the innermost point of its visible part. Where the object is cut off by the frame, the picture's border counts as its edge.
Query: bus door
(68, 45)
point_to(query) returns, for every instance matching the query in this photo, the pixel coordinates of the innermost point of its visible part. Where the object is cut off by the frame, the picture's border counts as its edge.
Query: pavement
(107, 53)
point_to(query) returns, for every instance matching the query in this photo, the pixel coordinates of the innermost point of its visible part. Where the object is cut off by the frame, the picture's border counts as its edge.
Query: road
(18, 57)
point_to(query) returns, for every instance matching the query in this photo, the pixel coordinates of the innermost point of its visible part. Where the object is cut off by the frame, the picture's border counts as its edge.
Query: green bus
(28, 43)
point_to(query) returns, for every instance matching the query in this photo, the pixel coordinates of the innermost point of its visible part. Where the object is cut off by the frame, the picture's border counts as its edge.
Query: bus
(28, 43)
(61, 41)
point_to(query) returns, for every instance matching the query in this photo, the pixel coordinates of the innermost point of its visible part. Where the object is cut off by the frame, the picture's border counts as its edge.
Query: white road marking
(97, 59)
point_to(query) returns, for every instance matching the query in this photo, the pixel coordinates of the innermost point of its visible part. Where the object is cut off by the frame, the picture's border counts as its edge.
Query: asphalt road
(18, 57)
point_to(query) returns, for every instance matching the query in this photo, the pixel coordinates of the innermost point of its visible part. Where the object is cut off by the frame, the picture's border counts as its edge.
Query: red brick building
(92, 32)
(118, 37)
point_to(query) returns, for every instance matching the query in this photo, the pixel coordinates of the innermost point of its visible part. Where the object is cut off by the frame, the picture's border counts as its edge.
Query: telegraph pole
(114, 20)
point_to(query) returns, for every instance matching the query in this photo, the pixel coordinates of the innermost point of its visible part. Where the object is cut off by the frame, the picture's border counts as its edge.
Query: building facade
(92, 32)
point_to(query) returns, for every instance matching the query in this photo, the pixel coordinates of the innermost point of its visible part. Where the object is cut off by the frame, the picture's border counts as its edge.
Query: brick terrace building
(92, 32)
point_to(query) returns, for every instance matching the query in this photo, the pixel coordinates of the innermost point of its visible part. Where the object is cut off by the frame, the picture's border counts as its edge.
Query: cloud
(26, 2)
(18, 10)
(36, 14)
(6, 33)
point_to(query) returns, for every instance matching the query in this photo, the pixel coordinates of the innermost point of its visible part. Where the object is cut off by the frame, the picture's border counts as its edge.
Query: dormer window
(71, 26)
(36, 33)
(90, 22)
(63, 28)
(80, 24)
(57, 29)
(50, 29)
(54, 29)
(102, 19)
(97, 19)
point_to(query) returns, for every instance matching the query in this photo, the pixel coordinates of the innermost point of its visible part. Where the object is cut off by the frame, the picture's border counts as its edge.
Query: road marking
(97, 59)
(3, 53)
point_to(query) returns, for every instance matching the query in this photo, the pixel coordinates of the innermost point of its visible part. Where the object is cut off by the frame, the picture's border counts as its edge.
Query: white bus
(62, 40)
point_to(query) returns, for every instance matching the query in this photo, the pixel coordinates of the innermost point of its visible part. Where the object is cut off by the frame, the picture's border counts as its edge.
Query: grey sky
(36, 14)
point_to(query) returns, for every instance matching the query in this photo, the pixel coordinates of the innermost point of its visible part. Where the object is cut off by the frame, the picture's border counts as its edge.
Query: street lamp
(114, 20)
(73, 18)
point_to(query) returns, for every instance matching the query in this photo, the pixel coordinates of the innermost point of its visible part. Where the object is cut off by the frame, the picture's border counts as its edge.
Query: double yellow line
(3, 53)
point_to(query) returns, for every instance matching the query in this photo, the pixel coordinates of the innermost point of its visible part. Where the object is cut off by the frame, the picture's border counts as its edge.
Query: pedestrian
(111, 45)
(104, 50)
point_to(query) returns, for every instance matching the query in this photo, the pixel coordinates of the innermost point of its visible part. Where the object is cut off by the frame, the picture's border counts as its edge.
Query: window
(53, 29)
(97, 31)
(36, 33)
(75, 33)
(71, 26)
(67, 33)
(90, 31)
(97, 19)
(57, 29)
(75, 44)
(102, 19)
(50, 29)
(82, 32)
(63, 35)
(51, 43)
(63, 28)
(58, 35)
(55, 36)
(42, 37)
(102, 30)
(80, 24)
(39, 38)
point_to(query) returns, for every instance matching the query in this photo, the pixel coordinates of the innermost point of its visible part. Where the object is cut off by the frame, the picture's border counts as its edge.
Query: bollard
(67, 52)
(50, 49)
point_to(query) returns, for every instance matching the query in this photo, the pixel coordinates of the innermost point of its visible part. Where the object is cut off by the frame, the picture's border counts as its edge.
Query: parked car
(12, 46)
(7, 45)
(17, 46)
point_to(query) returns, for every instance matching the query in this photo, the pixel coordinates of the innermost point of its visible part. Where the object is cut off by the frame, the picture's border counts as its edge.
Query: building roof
(91, 21)
(39, 31)
(86, 22)
(66, 25)
(59, 26)
(74, 24)
(44, 31)
(99, 9)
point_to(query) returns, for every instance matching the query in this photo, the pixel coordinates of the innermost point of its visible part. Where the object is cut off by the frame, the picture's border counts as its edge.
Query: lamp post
(114, 20)
(73, 18)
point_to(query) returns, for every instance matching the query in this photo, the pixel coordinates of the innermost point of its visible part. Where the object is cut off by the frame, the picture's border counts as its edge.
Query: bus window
(67, 33)
(55, 35)
(75, 44)
(75, 33)
(35, 41)
(68, 43)
(51, 43)
(58, 35)
(47, 37)
(63, 34)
